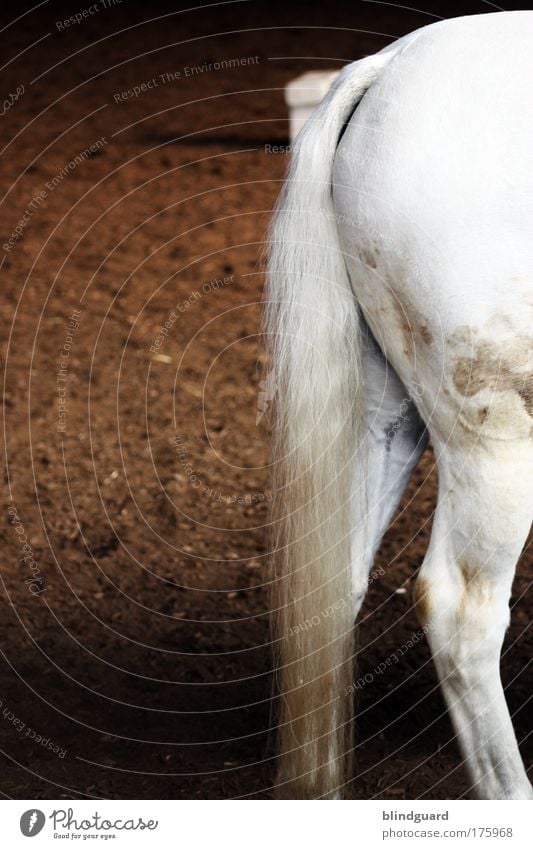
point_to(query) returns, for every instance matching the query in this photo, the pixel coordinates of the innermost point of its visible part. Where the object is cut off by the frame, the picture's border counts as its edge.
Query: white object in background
(303, 94)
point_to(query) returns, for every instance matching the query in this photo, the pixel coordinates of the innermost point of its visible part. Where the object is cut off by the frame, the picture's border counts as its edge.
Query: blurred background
(142, 149)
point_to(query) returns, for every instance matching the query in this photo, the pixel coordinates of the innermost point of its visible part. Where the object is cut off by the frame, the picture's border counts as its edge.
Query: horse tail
(311, 326)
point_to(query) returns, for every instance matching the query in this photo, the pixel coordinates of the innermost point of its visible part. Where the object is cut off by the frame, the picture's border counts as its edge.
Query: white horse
(399, 298)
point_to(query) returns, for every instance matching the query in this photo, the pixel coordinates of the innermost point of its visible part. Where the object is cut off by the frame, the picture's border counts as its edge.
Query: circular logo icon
(32, 822)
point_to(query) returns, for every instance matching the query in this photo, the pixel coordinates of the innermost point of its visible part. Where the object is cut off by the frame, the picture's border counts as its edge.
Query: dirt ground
(134, 607)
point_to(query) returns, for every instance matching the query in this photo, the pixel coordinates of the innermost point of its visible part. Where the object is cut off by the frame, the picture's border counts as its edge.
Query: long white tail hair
(311, 326)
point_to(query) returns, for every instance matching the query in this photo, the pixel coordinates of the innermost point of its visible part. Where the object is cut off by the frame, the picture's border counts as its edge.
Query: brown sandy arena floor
(141, 666)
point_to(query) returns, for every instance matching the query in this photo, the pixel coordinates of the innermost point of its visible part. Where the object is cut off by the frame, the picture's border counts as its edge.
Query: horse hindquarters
(435, 220)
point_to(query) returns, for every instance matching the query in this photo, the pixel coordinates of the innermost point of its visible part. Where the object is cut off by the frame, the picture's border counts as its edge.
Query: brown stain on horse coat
(421, 599)
(369, 258)
(499, 365)
(476, 594)
(426, 335)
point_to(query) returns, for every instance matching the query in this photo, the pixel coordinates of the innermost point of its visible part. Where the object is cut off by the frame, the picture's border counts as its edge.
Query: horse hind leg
(462, 598)
(393, 441)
